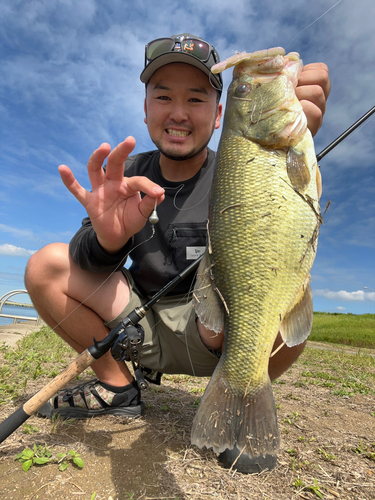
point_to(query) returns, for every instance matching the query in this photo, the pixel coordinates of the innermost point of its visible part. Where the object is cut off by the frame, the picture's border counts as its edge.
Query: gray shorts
(172, 342)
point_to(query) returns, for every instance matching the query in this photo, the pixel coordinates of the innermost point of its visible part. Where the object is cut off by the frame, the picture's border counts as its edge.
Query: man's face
(181, 110)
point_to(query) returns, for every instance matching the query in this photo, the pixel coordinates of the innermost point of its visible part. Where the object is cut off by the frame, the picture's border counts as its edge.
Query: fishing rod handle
(9, 425)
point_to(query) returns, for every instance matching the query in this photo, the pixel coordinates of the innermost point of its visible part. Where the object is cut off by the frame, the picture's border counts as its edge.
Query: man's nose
(179, 113)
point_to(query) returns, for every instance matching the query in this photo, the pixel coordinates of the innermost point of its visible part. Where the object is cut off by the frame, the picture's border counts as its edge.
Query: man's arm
(90, 256)
(313, 90)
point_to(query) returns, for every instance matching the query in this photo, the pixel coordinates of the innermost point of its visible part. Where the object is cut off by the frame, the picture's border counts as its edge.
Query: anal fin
(296, 325)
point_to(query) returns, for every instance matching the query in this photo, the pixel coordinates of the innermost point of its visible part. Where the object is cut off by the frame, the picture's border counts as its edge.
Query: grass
(40, 354)
(348, 329)
(343, 374)
(43, 354)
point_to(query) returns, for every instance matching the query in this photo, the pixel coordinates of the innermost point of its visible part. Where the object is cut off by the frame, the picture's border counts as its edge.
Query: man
(77, 289)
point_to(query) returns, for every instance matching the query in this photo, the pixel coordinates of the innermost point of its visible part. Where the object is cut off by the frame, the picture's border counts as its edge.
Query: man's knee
(49, 262)
(283, 358)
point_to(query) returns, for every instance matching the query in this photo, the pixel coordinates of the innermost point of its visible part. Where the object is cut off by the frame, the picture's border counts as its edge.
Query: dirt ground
(327, 450)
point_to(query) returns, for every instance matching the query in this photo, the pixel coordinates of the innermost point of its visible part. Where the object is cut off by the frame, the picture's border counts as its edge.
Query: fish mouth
(177, 133)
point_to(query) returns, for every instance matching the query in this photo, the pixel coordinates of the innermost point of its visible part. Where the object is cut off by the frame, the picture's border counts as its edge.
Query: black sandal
(92, 400)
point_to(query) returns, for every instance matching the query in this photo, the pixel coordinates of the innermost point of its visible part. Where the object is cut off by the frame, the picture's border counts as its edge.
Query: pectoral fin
(297, 169)
(206, 301)
(297, 323)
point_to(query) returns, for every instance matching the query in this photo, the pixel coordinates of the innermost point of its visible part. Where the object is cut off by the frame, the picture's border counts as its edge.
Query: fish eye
(243, 90)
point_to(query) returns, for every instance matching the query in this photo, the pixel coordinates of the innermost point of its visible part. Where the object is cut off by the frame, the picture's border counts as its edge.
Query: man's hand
(114, 205)
(313, 90)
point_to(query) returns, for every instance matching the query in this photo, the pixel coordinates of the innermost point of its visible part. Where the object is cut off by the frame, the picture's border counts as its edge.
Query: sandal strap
(90, 395)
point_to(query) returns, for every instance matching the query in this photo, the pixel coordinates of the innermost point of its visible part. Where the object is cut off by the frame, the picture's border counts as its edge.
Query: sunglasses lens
(197, 48)
(158, 47)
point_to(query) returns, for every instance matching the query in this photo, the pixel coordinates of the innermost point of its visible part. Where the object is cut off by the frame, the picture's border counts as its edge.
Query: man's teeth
(177, 133)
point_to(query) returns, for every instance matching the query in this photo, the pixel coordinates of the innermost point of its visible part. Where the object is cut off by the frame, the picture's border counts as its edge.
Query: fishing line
(326, 12)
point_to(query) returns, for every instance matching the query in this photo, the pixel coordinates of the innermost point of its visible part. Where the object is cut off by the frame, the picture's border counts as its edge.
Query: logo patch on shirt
(192, 253)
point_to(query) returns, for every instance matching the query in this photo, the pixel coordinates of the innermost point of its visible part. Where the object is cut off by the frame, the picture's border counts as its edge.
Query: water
(20, 311)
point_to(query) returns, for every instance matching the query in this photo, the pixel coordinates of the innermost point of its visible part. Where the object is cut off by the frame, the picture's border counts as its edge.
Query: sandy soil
(327, 450)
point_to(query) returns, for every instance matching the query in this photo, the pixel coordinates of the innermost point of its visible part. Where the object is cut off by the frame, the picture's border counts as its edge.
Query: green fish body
(263, 227)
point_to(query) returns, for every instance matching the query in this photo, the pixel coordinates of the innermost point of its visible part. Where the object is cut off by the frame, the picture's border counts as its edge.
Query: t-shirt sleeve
(86, 251)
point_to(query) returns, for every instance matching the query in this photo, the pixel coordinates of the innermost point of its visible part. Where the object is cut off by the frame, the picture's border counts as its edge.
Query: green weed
(29, 429)
(298, 483)
(64, 458)
(40, 354)
(41, 455)
(315, 489)
(365, 450)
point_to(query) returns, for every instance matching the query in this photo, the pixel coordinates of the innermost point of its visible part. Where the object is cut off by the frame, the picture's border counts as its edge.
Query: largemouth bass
(263, 227)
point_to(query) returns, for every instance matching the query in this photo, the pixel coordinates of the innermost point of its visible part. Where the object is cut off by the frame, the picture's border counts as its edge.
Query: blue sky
(70, 81)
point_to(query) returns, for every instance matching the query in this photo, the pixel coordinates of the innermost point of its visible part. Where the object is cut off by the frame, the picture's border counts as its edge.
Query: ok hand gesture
(114, 205)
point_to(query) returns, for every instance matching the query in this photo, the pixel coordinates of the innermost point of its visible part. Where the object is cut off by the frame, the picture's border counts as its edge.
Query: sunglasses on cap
(182, 44)
(197, 48)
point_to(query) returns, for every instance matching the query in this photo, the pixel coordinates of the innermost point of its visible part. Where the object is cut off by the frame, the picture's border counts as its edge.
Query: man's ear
(219, 114)
(145, 110)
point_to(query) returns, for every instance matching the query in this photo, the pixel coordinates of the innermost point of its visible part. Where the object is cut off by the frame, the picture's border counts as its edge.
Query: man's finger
(147, 205)
(316, 74)
(95, 163)
(314, 116)
(117, 157)
(73, 185)
(133, 185)
(314, 94)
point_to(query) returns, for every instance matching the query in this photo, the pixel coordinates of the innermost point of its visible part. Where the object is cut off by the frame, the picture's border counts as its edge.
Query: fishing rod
(125, 342)
(126, 339)
(345, 134)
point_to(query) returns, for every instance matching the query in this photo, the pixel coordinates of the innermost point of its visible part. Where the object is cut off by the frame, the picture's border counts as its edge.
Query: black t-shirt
(180, 234)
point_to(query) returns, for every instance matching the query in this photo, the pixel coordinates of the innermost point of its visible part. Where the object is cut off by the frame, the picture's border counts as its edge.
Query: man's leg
(57, 287)
(278, 364)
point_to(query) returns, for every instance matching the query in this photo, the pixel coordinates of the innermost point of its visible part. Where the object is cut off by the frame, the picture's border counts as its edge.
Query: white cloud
(14, 251)
(358, 296)
(340, 308)
(24, 233)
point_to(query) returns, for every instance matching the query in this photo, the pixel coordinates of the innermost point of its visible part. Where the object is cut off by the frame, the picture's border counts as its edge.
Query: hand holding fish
(313, 90)
(114, 205)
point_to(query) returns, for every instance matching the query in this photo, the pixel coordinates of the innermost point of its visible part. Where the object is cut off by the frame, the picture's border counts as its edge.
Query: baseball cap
(184, 48)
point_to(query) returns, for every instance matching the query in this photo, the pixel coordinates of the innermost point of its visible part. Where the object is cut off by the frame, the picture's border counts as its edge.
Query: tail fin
(228, 418)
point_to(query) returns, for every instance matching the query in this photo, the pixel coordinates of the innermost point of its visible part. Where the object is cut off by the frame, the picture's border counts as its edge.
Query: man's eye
(163, 98)
(194, 99)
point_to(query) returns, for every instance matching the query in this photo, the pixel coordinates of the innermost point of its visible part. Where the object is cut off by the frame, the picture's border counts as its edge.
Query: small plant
(29, 429)
(314, 489)
(72, 456)
(298, 483)
(328, 457)
(291, 419)
(365, 450)
(41, 455)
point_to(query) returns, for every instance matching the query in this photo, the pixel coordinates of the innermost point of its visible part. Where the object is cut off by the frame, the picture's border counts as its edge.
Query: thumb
(148, 203)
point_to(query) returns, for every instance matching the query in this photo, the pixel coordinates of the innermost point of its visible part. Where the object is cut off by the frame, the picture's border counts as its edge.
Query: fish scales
(263, 225)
